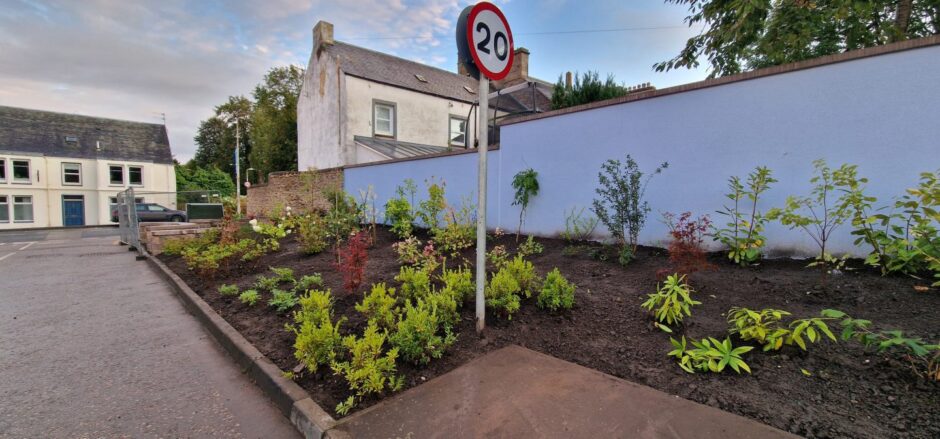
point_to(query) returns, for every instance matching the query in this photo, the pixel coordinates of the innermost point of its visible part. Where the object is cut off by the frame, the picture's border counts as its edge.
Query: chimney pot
(568, 80)
(322, 35)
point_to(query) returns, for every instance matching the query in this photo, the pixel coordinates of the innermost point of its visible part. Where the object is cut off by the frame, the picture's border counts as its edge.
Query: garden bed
(833, 390)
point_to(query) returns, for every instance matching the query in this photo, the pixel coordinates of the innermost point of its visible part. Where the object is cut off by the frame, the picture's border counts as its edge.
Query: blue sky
(139, 59)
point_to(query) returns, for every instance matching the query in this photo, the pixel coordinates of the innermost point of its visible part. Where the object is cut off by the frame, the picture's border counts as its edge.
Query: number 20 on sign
(490, 40)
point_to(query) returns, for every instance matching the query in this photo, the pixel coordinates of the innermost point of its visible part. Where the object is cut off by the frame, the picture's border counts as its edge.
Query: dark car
(154, 212)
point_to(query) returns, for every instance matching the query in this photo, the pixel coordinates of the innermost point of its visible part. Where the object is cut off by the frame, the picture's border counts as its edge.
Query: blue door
(73, 210)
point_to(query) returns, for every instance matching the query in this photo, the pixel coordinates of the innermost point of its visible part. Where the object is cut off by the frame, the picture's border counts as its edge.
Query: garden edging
(293, 401)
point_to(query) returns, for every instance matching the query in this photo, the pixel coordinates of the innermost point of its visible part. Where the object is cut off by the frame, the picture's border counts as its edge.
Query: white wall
(880, 113)
(319, 115)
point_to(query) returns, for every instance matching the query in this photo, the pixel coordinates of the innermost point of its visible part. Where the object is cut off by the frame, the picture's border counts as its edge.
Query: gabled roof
(396, 149)
(75, 136)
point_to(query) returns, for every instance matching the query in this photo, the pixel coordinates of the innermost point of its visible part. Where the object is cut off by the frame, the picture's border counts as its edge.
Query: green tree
(216, 138)
(190, 177)
(585, 89)
(274, 121)
(745, 35)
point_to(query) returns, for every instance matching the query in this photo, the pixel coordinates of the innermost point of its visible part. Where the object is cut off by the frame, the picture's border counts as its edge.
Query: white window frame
(393, 115)
(450, 131)
(29, 171)
(32, 213)
(65, 166)
(3, 170)
(129, 182)
(123, 177)
(5, 207)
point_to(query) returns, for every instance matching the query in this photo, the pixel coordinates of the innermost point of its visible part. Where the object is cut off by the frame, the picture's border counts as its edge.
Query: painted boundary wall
(878, 108)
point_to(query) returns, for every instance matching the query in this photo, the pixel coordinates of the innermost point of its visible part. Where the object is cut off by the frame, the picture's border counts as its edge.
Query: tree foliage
(745, 35)
(274, 121)
(585, 89)
(194, 178)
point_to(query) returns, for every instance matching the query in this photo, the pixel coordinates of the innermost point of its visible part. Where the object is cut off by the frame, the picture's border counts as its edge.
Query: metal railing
(128, 223)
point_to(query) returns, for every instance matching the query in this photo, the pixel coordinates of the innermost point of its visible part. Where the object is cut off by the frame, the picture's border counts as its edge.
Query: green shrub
(459, 231)
(316, 337)
(445, 304)
(620, 204)
(497, 256)
(365, 369)
(283, 275)
(307, 282)
(249, 297)
(709, 354)
(342, 220)
(577, 226)
(415, 283)
(399, 210)
(417, 333)
(458, 283)
(530, 247)
(429, 210)
(766, 328)
(315, 306)
(742, 234)
(379, 306)
(557, 293)
(282, 300)
(265, 283)
(313, 234)
(228, 290)
(176, 247)
(672, 302)
(524, 273)
(923, 358)
(502, 293)
(409, 250)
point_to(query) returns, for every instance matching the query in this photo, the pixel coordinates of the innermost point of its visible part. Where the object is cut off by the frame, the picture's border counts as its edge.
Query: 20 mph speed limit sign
(489, 40)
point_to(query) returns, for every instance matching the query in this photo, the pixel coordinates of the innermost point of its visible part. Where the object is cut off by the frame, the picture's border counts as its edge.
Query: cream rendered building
(65, 170)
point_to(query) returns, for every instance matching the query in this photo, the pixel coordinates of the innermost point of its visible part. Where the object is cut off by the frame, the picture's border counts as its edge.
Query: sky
(175, 60)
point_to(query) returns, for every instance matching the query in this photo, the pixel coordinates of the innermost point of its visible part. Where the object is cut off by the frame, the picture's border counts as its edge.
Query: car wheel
(176, 219)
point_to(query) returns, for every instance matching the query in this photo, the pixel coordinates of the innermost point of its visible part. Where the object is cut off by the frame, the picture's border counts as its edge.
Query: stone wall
(302, 191)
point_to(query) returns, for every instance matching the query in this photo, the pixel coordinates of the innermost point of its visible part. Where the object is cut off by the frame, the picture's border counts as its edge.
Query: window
(21, 171)
(3, 171)
(4, 209)
(383, 123)
(458, 131)
(22, 209)
(155, 208)
(135, 174)
(72, 174)
(117, 174)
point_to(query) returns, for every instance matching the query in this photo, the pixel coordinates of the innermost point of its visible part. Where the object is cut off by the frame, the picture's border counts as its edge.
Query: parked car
(154, 212)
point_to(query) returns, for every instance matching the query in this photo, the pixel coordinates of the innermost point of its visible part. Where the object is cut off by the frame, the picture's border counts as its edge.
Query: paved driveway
(94, 344)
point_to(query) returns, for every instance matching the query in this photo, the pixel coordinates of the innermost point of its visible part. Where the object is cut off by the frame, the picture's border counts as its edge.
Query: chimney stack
(518, 71)
(322, 35)
(568, 80)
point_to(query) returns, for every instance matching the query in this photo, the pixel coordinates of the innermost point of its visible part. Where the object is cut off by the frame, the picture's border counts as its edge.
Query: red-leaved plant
(686, 251)
(352, 260)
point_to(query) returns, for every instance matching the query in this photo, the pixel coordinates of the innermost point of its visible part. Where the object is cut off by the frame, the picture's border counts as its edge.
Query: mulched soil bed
(851, 392)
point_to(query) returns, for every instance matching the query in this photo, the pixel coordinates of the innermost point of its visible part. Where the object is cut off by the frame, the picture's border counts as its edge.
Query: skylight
(421, 78)
(469, 90)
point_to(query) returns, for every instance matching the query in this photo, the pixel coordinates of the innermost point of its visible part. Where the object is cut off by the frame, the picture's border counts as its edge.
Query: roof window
(469, 90)
(71, 139)
(421, 78)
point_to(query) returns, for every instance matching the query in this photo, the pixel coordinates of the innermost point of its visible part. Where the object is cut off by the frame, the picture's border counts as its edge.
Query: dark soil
(851, 392)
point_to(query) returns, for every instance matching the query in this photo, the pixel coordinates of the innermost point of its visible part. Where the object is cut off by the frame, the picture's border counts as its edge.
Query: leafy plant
(709, 354)
(409, 250)
(316, 336)
(458, 283)
(266, 283)
(399, 210)
(365, 369)
(312, 234)
(672, 302)
(557, 293)
(352, 261)
(502, 293)
(459, 231)
(742, 233)
(249, 297)
(765, 327)
(498, 256)
(228, 290)
(315, 306)
(578, 227)
(686, 248)
(379, 306)
(417, 336)
(429, 210)
(282, 300)
(530, 247)
(307, 282)
(342, 219)
(620, 205)
(817, 215)
(284, 275)
(415, 283)
(526, 184)
(524, 273)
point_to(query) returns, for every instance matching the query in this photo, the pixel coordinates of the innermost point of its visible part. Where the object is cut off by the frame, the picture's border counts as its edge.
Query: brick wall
(302, 191)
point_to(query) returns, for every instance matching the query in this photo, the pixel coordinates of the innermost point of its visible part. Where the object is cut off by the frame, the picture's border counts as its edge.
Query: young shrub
(365, 369)
(379, 306)
(316, 337)
(742, 234)
(282, 300)
(352, 261)
(498, 256)
(458, 283)
(620, 205)
(765, 327)
(283, 275)
(557, 293)
(429, 210)
(578, 227)
(415, 283)
(817, 215)
(709, 355)
(315, 306)
(526, 184)
(308, 282)
(409, 250)
(444, 303)
(686, 248)
(672, 302)
(343, 217)
(399, 210)
(228, 290)
(249, 297)
(502, 293)
(417, 336)
(524, 273)
(530, 247)
(368, 214)
(459, 231)
(312, 234)
(265, 283)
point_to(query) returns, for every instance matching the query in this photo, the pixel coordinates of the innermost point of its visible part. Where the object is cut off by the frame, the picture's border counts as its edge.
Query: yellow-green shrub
(557, 293)
(502, 292)
(365, 369)
(379, 306)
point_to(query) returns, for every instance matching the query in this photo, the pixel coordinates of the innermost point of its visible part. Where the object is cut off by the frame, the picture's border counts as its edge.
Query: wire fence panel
(128, 222)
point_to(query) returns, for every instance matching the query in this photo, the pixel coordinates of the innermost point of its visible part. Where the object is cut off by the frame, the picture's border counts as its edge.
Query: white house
(65, 170)
(359, 106)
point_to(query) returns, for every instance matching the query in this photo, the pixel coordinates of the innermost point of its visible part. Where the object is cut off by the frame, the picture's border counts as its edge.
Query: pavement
(94, 344)
(515, 392)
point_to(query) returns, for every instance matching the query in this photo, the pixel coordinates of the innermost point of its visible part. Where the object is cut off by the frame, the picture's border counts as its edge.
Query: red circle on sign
(471, 19)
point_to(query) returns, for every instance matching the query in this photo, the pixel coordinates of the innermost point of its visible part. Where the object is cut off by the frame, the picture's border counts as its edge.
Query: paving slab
(517, 392)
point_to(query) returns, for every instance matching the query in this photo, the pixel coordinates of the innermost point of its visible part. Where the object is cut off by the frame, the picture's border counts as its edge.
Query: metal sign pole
(483, 139)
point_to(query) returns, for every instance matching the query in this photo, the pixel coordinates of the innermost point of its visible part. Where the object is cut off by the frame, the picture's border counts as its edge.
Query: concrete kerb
(293, 401)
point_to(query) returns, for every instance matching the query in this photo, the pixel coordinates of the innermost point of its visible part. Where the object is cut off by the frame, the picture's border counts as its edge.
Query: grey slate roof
(44, 132)
(397, 149)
